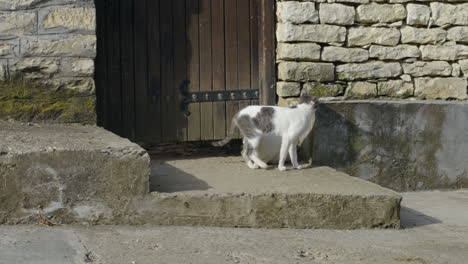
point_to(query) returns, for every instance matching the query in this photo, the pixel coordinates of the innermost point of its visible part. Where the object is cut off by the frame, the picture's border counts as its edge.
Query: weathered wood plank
(219, 84)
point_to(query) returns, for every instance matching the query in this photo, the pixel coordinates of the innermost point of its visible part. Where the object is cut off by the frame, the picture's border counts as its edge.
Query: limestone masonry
(364, 49)
(49, 45)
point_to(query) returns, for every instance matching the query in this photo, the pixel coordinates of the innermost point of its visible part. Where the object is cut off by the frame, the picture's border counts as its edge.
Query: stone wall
(47, 49)
(363, 49)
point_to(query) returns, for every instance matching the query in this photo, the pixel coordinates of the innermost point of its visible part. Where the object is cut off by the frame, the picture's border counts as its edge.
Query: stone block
(67, 19)
(368, 70)
(80, 85)
(441, 88)
(17, 23)
(288, 89)
(364, 36)
(76, 67)
(464, 67)
(443, 14)
(456, 70)
(298, 51)
(9, 48)
(423, 35)
(444, 52)
(344, 54)
(395, 88)
(394, 53)
(287, 32)
(305, 71)
(458, 34)
(361, 90)
(323, 89)
(61, 45)
(297, 12)
(418, 14)
(35, 68)
(380, 13)
(337, 14)
(427, 68)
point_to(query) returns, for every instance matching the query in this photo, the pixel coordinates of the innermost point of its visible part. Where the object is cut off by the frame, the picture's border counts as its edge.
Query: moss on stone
(30, 102)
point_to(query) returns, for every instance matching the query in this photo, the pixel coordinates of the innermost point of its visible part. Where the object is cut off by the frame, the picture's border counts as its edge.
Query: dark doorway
(148, 48)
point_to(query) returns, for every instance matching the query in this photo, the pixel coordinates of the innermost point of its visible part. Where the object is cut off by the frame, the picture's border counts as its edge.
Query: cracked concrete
(435, 231)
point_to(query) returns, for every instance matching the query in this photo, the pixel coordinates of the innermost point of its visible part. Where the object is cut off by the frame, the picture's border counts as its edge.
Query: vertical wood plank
(232, 81)
(193, 55)
(153, 118)
(267, 53)
(206, 74)
(219, 108)
(142, 111)
(254, 47)
(243, 20)
(101, 64)
(127, 64)
(180, 66)
(114, 98)
(167, 71)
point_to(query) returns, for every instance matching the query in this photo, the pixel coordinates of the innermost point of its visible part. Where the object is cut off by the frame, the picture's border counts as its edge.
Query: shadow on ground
(166, 178)
(411, 218)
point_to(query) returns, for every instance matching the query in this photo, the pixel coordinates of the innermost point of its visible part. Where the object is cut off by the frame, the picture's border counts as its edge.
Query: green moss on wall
(29, 102)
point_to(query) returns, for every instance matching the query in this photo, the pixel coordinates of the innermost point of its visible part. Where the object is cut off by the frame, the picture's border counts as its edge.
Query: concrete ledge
(402, 145)
(70, 173)
(224, 192)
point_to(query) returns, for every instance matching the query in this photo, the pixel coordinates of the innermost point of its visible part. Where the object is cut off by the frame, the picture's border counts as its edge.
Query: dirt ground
(435, 231)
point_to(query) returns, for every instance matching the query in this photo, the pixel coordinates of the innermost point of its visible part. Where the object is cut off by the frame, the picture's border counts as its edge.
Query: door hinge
(213, 96)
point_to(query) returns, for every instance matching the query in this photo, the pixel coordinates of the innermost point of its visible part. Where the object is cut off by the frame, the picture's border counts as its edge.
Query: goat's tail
(229, 136)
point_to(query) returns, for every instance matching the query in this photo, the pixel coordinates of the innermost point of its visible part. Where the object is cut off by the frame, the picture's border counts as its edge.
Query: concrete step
(223, 191)
(75, 174)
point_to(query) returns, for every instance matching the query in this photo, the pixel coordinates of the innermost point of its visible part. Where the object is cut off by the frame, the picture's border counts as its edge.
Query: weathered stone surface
(395, 88)
(305, 71)
(17, 4)
(445, 52)
(406, 78)
(3, 70)
(287, 32)
(427, 68)
(364, 36)
(464, 67)
(297, 12)
(458, 34)
(288, 102)
(418, 14)
(361, 90)
(298, 51)
(33, 68)
(423, 144)
(441, 88)
(323, 89)
(58, 19)
(17, 23)
(78, 170)
(353, 1)
(394, 53)
(423, 35)
(337, 14)
(76, 67)
(71, 45)
(344, 54)
(368, 70)
(288, 89)
(380, 13)
(81, 85)
(9, 48)
(449, 14)
(456, 70)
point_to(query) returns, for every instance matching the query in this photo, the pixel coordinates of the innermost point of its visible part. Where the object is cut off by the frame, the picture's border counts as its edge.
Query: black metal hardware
(213, 96)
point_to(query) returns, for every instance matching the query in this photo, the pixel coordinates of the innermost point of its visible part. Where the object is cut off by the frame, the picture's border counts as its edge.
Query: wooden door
(148, 48)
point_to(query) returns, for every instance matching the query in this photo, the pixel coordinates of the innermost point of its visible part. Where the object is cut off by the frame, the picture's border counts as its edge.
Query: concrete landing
(223, 191)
